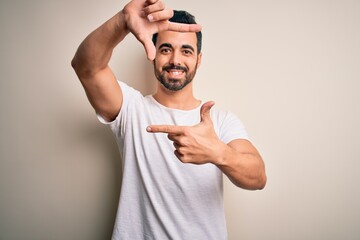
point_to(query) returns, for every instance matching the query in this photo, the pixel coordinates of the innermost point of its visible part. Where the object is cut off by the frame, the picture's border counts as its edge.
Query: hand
(146, 17)
(197, 144)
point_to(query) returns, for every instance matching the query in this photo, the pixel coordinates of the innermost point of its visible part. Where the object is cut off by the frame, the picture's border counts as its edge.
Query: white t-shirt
(162, 198)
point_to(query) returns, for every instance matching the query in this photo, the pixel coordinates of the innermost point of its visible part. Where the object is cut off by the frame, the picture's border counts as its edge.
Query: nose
(175, 58)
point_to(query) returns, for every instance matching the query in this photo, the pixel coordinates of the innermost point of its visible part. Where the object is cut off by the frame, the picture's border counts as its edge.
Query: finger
(148, 45)
(205, 111)
(150, 49)
(149, 2)
(176, 146)
(183, 27)
(180, 139)
(156, 7)
(173, 137)
(165, 129)
(162, 15)
(178, 155)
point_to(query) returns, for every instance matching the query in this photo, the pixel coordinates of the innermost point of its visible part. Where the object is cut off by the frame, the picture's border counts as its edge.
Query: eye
(187, 52)
(165, 50)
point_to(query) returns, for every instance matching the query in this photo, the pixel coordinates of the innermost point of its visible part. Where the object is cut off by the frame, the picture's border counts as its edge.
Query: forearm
(95, 51)
(244, 168)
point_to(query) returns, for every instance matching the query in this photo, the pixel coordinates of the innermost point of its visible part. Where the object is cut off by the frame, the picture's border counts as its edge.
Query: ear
(199, 60)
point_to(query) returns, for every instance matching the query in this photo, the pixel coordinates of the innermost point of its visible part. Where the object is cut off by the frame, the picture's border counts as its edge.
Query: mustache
(174, 67)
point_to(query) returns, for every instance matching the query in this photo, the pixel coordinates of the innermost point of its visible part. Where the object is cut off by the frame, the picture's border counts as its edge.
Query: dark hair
(187, 18)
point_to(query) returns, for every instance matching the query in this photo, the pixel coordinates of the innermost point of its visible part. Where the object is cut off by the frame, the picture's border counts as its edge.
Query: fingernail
(148, 129)
(150, 17)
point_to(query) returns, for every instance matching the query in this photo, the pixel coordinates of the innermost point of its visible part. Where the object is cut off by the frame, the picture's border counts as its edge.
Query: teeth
(176, 73)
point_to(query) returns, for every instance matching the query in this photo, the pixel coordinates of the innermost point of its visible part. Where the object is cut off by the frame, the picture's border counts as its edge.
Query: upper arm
(103, 92)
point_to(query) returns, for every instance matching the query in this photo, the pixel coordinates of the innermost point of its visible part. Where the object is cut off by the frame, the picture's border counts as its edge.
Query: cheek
(193, 66)
(156, 66)
(159, 63)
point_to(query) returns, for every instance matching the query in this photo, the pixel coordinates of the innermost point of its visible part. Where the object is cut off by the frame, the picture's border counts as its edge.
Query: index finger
(170, 129)
(183, 27)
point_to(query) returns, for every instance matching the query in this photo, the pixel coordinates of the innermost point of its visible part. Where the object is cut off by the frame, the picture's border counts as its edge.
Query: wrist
(220, 154)
(121, 22)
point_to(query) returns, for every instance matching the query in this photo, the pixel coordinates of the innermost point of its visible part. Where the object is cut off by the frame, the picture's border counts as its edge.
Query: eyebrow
(165, 45)
(185, 46)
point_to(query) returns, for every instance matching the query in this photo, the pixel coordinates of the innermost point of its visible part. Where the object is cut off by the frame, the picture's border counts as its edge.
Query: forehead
(177, 39)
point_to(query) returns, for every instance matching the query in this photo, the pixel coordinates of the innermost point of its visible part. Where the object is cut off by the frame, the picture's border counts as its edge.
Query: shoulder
(128, 90)
(221, 116)
(227, 125)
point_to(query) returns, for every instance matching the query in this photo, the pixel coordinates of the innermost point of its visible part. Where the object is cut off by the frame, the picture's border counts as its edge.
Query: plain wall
(289, 69)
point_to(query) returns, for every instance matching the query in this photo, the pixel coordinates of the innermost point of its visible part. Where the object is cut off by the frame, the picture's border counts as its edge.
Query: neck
(183, 99)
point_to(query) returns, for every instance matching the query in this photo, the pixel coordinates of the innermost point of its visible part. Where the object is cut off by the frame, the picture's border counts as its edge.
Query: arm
(140, 17)
(91, 66)
(242, 164)
(239, 160)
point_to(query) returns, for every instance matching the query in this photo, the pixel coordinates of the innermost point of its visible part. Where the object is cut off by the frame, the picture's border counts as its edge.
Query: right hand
(146, 17)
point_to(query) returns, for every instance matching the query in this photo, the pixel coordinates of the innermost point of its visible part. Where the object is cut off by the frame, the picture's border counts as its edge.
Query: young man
(174, 148)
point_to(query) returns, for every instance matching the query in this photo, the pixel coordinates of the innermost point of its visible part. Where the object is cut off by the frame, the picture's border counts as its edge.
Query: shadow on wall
(97, 174)
(94, 158)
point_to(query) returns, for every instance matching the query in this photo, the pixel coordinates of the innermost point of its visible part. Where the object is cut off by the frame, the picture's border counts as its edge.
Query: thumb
(205, 111)
(149, 46)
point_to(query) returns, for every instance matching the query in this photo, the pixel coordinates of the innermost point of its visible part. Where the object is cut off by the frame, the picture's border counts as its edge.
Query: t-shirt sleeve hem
(125, 92)
(103, 121)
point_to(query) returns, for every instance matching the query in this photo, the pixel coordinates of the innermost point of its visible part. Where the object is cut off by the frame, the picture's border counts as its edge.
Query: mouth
(175, 71)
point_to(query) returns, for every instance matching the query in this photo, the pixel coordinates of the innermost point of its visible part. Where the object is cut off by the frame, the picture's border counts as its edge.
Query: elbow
(261, 181)
(261, 178)
(81, 70)
(75, 65)
(255, 183)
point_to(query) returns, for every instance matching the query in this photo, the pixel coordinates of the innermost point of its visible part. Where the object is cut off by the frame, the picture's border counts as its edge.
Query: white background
(289, 69)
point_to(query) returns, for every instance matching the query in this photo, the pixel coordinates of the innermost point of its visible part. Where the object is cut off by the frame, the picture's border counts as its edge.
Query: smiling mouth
(175, 73)
(173, 67)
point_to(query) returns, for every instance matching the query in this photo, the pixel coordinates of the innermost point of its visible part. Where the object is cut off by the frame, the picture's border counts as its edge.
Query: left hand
(198, 144)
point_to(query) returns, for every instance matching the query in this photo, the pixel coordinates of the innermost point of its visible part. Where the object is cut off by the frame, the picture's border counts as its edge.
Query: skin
(177, 49)
(176, 46)
(176, 63)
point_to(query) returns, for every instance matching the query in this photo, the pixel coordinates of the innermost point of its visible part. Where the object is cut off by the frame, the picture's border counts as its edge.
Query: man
(174, 148)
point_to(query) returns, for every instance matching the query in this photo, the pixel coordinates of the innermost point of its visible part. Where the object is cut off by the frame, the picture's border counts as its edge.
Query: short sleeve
(129, 94)
(230, 127)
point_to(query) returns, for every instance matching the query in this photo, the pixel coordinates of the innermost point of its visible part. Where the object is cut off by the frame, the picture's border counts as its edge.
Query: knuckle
(179, 27)
(161, 14)
(186, 159)
(186, 132)
(185, 142)
(161, 5)
(178, 150)
(169, 12)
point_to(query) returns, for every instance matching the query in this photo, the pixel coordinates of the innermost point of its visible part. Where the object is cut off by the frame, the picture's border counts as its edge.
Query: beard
(174, 84)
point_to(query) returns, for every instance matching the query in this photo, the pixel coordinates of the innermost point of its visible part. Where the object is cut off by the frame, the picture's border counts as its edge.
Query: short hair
(181, 16)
